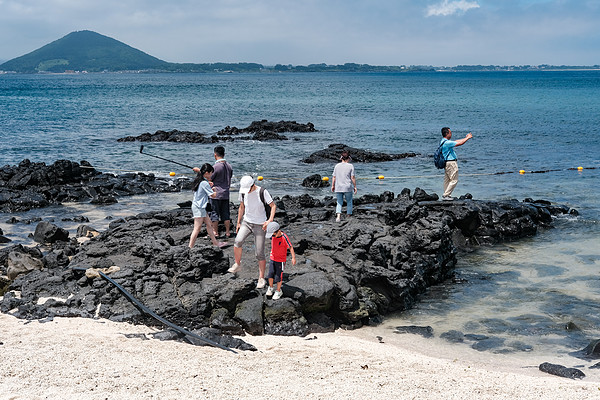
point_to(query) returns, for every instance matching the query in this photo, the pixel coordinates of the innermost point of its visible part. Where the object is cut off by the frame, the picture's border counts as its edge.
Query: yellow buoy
(260, 178)
(325, 179)
(172, 173)
(522, 171)
(380, 177)
(579, 168)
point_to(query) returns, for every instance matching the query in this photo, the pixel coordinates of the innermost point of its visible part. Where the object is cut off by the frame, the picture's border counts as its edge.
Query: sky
(302, 32)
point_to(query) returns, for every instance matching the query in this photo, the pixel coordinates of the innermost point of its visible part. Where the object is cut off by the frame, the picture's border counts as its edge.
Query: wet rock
(591, 351)
(572, 327)
(453, 336)
(488, 343)
(104, 199)
(169, 136)
(559, 370)
(314, 181)
(257, 130)
(46, 232)
(520, 346)
(265, 130)
(33, 185)
(425, 331)
(333, 152)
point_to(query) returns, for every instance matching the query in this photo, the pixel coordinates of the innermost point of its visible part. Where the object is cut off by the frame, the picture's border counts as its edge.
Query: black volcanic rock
(257, 127)
(562, 371)
(46, 232)
(170, 136)
(314, 181)
(34, 185)
(348, 274)
(333, 152)
(258, 130)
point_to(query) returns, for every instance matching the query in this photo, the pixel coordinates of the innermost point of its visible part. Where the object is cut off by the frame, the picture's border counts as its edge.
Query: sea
(536, 297)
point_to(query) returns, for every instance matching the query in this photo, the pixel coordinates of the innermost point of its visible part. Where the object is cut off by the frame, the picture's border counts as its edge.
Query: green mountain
(84, 51)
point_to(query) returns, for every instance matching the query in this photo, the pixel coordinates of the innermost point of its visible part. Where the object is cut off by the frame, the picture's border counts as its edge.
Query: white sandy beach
(76, 358)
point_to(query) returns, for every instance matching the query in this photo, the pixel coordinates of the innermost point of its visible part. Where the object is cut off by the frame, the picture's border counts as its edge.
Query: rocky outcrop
(348, 274)
(257, 130)
(267, 130)
(171, 136)
(314, 181)
(33, 185)
(333, 152)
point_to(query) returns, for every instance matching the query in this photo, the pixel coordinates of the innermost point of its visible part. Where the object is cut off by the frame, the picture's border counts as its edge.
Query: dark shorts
(220, 210)
(276, 271)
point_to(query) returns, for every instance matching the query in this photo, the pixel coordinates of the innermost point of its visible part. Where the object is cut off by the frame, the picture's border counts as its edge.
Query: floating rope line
(382, 177)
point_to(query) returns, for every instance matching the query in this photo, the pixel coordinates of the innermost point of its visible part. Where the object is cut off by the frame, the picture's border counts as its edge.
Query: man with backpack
(451, 167)
(252, 218)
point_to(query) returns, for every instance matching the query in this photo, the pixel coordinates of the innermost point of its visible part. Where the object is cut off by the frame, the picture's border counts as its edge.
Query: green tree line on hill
(92, 52)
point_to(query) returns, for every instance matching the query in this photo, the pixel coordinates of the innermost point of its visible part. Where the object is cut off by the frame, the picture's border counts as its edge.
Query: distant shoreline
(296, 70)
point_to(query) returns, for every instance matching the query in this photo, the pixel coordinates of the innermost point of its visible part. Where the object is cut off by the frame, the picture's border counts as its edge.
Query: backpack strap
(261, 193)
(441, 145)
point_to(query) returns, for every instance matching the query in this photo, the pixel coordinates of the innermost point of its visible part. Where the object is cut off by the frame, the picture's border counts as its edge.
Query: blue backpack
(438, 157)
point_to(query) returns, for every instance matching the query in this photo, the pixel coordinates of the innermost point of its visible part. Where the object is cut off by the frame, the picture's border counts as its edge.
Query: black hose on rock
(145, 310)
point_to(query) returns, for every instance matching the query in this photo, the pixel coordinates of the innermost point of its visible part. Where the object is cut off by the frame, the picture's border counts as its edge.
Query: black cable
(140, 306)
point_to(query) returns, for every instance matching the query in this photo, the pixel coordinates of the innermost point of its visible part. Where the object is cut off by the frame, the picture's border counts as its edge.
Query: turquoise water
(520, 120)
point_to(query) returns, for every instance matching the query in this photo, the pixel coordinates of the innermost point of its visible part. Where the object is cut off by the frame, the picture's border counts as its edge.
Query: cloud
(447, 7)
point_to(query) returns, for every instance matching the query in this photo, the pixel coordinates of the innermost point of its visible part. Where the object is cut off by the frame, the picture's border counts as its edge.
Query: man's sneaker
(261, 283)
(235, 268)
(447, 198)
(269, 291)
(338, 218)
(277, 294)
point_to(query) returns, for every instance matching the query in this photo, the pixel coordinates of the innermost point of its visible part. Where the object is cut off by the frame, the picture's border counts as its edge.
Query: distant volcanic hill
(83, 51)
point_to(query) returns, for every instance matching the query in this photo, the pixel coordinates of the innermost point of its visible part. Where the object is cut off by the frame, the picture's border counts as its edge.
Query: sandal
(222, 244)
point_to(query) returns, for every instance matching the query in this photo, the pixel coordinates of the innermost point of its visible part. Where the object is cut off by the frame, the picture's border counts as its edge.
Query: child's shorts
(276, 271)
(198, 212)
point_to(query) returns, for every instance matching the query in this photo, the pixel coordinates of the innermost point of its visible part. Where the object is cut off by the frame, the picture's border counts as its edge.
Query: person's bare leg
(237, 255)
(262, 265)
(227, 228)
(195, 232)
(215, 227)
(209, 230)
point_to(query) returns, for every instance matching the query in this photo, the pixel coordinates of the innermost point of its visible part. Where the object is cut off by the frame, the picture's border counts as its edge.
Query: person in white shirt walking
(343, 184)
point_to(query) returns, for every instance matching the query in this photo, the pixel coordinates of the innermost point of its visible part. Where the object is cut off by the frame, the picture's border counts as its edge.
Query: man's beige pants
(450, 177)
